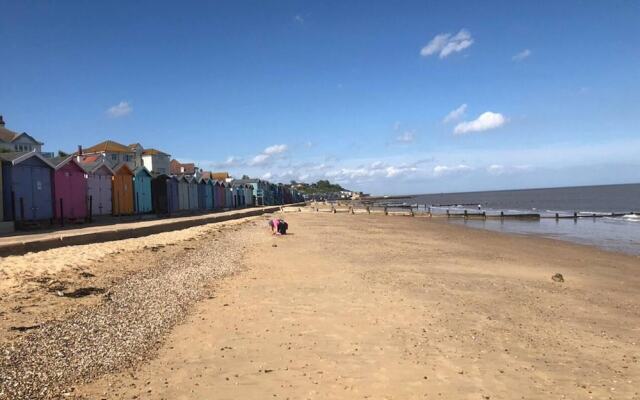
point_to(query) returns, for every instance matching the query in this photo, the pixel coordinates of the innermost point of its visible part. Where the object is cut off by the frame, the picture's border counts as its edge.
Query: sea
(616, 207)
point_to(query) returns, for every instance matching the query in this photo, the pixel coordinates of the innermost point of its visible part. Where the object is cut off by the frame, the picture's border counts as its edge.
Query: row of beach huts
(36, 188)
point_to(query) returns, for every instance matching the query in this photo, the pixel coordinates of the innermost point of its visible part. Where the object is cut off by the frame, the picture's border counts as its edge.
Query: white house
(156, 161)
(14, 141)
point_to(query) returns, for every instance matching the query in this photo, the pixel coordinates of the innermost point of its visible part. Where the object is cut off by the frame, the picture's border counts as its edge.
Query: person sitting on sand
(278, 226)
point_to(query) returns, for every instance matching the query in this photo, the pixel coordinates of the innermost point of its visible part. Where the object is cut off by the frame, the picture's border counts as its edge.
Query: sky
(394, 97)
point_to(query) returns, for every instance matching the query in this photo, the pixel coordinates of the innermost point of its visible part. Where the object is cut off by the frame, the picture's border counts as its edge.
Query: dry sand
(30, 284)
(402, 308)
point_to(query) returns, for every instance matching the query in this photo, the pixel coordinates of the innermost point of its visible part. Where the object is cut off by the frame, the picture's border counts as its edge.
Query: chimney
(1, 121)
(79, 149)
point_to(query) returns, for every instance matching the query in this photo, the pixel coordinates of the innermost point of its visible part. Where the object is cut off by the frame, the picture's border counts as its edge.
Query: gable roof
(141, 169)
(9, 136)
(153, 152)
(59, 162)
(122, 165)
(92, 166)
(219, 176)
(108, 146)
(18, 157)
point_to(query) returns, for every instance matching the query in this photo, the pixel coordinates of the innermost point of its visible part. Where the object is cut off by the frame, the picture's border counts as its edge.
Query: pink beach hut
(70, 189)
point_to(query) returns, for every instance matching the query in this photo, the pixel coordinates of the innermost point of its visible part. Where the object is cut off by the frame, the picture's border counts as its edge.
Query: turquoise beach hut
(142, 190)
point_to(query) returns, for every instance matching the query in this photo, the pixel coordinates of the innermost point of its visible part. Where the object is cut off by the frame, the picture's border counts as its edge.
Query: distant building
(221, 176)
(19, 142)
(156, 161)
(112, 152)
(187, 169)
(134, 155)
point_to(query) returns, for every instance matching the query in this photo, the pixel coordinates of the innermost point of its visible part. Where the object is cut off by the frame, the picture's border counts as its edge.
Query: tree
(245, 177)
(62, 153)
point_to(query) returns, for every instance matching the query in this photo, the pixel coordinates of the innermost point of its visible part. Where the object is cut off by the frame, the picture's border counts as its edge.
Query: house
(27, 187)
(142, 190)
(156, 161)
(187, 169)
(220, 176)
(99, 185)
(17, 142)
(113, 152)
(69, 189)
(122, 190)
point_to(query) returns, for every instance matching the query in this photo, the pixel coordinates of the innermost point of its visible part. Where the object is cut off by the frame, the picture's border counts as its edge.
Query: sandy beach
(359, 306)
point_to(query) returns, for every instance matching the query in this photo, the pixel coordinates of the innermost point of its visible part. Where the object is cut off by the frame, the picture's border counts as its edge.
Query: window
(114, 157)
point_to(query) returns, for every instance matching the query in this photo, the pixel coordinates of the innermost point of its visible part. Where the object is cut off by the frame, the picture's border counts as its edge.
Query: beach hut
(212, 193)
(99, 184)
(27, 180)
(142, 190)
(193, 193)
(69, 189)
(183, 193)
(248, 195)
(122, 190)
(205, 194)
(228, 196)
(238, 196)
(218, 195)
(164, 194)
(202, 193)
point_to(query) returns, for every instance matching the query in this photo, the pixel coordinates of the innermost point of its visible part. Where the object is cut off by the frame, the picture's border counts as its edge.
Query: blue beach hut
(192, 185)
(27, 180)
(142, 190)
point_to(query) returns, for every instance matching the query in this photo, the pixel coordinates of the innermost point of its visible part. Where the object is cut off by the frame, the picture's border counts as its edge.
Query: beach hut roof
(18, 157)
(141, 170)
(59, 162)
(121, 166)
(93, 166)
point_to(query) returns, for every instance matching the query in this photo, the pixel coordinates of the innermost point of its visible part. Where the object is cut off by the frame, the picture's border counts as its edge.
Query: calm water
(620, 233)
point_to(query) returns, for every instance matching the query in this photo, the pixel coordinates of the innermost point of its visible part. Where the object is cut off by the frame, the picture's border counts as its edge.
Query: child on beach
(278, 226)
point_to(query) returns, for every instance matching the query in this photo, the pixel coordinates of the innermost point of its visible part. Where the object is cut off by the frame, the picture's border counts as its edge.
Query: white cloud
(275, 149)
(487, 120)
(268, 154)
(120, 110)
(522, 55)
(445, 44)
(440, 170)
(455, 114)
(299, 19)
(496, 169)
(406, 137)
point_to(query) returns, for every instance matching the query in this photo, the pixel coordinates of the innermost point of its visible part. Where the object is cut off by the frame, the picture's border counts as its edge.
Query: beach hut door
(41, 189)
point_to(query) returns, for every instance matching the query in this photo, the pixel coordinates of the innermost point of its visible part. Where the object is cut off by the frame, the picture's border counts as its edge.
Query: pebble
(120, 331)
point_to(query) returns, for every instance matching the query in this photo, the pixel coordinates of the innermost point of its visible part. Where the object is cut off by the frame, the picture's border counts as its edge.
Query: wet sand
(402, 308)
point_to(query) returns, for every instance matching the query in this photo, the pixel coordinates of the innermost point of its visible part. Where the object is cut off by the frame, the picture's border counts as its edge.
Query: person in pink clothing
(274, 226)
(278, 226)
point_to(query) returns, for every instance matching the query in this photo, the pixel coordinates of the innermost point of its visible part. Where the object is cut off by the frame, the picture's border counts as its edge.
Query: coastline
(381, 306)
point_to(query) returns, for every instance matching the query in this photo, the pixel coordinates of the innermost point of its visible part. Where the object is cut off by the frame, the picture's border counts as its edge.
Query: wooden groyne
(423, 210)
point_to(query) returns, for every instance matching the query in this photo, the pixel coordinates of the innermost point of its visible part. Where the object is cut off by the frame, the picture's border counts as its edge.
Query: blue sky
(384, 97)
